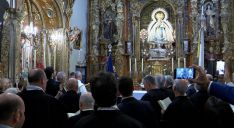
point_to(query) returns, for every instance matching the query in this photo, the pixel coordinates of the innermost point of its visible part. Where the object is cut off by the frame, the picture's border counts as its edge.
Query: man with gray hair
(155, 92)
(81, 86)
(86, 108)
(181, 113)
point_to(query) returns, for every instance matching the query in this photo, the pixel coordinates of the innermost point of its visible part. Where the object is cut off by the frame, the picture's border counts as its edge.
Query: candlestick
(142, 65)
(172, 64)
(55, 57)
(130, 65)
(184, 62)
(178, 62)
(135, 65)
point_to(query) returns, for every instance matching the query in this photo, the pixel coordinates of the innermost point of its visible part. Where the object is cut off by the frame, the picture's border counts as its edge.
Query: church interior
(140, 36)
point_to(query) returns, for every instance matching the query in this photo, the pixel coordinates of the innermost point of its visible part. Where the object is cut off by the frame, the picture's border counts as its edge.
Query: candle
(184, 62)
(178, 62)
(142, 65)
(130, 65)
(172, 64)
(14, 4)
(54, 56)
(135, 65)
(202, 11)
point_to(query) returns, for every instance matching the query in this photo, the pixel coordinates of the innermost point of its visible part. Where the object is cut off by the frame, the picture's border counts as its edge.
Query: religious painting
(109, 25)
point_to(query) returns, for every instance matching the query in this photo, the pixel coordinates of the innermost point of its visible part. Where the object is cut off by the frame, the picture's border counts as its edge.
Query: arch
(40, 12)
(60, 12)
(151, 2)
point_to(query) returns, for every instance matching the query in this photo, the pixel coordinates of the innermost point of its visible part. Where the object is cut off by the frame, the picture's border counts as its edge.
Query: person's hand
(201, 78)
(59, 94)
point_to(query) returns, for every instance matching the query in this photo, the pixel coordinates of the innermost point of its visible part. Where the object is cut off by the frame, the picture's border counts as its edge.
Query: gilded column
(180, 29)
(225, 16)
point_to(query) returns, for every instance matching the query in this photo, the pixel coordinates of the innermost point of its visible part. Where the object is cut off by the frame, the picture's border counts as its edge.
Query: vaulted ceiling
(43, 13)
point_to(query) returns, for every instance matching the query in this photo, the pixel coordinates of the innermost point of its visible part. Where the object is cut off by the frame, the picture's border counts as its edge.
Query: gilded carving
(224, 22)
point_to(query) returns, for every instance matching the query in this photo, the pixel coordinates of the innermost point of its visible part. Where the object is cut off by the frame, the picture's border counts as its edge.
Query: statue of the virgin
(160, 29)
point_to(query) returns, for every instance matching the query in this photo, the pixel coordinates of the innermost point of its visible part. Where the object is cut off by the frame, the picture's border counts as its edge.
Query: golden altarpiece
(156, 36)
(143, 36)
(35, 35)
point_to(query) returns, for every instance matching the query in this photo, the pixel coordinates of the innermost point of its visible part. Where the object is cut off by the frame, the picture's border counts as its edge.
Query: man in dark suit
(155, 92)
(41, 110)
(52, 87)
(139, 110)
(191, 89)
(86, 108)
(104, 90)
(180, 113)
(70, 99)
(216, 89)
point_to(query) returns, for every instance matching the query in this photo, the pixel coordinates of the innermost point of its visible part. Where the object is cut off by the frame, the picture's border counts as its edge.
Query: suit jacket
(72, 121)
(108, 119)
(222, 91)
(191, 90)
(70, 100)
(154, 95)
(52, 87)
(199, 99)
(42, 110)
(139, 110)
(180, 114)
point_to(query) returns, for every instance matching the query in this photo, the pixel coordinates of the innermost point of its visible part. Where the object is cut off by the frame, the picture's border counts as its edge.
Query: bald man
(86, 108)
(42, 110)
(70, 99)
(11, 111)
(180, 113)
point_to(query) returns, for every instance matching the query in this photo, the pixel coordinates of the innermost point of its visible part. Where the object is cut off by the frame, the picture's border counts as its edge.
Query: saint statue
(160, 29)
(210, 13)
(210, 18)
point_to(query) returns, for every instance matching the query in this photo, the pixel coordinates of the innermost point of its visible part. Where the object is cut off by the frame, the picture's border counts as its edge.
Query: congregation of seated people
(55, 100)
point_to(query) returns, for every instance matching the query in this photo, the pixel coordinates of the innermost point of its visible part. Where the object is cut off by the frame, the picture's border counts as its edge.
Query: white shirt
(81, 87)
(33, 87)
